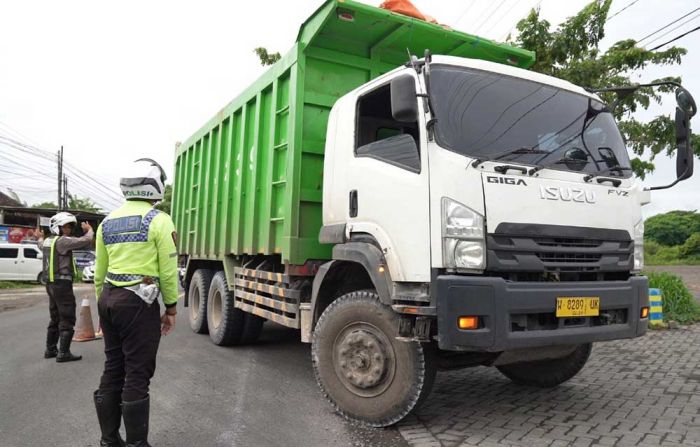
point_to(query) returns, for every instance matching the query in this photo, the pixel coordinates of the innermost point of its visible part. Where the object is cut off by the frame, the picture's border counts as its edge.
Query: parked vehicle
(408, 215)
(20, 262)
(83, 258)
(89, 273)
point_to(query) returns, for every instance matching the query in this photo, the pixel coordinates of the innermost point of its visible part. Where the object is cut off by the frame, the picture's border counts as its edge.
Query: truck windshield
(491, 116)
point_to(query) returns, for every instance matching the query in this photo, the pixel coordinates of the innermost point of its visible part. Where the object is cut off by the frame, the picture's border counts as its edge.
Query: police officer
(59, 268)
(136, 263)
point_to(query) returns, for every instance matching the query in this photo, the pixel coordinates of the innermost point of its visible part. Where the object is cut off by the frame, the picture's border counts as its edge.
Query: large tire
(252, 328)
(42, 278)
(548, 373)
(197, 294)
(229, 325)
(363, 370)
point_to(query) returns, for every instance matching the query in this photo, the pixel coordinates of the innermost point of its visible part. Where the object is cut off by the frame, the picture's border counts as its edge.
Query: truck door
(9, 259)
(385, 173)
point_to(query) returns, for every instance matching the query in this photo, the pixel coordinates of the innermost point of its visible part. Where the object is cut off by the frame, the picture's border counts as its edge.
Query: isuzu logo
(567, 194)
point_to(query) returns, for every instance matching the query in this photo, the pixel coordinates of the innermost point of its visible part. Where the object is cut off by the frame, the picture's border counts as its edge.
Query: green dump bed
(250, 180)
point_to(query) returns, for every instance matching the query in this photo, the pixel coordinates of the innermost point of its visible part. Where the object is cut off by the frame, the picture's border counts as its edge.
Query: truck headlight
(639, 246)
(463, 236)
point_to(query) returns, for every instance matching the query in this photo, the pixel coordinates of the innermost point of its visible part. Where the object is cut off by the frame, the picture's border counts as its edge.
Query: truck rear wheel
(197, 294)
(363, 370)
(548, 373)
(229, 325)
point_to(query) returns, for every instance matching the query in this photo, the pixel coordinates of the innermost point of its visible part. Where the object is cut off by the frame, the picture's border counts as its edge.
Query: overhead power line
(489, 16)
(45, 163)
(667, 25)
(618, 12)
(466, 10)
(675, 38)
(501, 17)
(660, 36)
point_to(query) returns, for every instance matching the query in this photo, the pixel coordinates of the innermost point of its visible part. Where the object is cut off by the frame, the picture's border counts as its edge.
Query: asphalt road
(201, 395)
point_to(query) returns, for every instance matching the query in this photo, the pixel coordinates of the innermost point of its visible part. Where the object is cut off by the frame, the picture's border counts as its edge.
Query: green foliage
(74, 203)
(48, 205)
(166, 204)
(672, 228)
(572, 52)
(82, 204)
(678, 303)
(265, 57)
(16, 285)
(691, 247)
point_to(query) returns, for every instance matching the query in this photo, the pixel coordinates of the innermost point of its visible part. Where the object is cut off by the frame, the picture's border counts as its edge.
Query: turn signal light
(468, 323)
(645, 312)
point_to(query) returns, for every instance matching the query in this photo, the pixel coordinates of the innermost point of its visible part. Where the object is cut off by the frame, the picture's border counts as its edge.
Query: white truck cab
(497, 197)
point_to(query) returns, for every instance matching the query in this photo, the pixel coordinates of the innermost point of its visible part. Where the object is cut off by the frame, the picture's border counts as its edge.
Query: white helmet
(59, 220)
(146, 181)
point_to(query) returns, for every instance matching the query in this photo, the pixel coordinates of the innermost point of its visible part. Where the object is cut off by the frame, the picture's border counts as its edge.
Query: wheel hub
(364, 360)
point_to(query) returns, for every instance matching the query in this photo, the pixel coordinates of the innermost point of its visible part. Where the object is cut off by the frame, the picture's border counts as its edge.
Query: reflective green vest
(134, 242)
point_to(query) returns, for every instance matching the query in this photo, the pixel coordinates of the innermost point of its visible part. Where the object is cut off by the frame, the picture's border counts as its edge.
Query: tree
(572, 52)
(82, 204)
(165, 205)
(672, 228)
(74, 203)
(265, 57)
(49, 205)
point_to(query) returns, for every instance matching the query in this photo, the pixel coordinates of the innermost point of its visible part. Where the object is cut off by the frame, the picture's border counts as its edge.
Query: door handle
(353, 203)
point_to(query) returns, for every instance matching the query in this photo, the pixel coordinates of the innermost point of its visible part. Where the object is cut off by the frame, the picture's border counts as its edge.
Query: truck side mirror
(404, 103)
(684, 152)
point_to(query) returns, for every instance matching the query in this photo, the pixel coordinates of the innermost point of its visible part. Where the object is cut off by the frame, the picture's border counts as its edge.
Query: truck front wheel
(548, 373)
(198, 292)
(363, 370)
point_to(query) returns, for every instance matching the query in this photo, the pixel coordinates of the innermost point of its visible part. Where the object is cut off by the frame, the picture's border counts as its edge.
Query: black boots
(64, 354)
(136, 422)
(51, 341)
(109, 414)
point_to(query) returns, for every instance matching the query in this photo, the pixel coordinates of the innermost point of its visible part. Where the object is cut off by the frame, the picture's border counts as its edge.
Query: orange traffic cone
(84, 330)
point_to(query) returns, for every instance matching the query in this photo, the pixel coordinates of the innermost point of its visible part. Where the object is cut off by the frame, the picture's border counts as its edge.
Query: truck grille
(522, 248)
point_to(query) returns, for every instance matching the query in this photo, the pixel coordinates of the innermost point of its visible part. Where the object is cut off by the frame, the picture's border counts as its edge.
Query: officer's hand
(85, 226)
(167, 324)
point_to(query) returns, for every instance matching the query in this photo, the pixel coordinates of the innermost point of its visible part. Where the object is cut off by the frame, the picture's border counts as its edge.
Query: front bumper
(521, 314)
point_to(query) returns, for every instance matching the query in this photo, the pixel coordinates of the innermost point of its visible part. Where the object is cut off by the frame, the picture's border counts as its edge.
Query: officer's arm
(101, 262)
(167, 259)
(68, 243)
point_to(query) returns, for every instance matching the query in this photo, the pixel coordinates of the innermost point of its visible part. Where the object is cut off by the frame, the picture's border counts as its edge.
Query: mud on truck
(408, 215)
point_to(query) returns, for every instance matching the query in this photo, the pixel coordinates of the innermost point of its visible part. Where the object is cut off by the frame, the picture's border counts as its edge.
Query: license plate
(578, 306)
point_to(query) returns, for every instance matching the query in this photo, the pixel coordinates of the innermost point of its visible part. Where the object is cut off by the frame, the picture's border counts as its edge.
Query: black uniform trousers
(61, 305)
(131, 330)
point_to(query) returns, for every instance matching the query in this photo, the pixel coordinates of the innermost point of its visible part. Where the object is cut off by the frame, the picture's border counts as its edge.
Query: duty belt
(63, 277)
(128, 278)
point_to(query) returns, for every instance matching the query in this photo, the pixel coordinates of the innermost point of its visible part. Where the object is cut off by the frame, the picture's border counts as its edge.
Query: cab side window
(8, 253)
(380, 136)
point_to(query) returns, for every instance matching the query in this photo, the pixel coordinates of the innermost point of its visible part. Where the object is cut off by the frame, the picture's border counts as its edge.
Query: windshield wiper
(564, 159)
(516, 151)
(590, 177)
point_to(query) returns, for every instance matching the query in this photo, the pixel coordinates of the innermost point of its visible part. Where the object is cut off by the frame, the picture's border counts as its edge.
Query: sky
(113, 82)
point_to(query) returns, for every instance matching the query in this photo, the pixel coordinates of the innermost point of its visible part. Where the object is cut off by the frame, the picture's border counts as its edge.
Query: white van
(20, 262)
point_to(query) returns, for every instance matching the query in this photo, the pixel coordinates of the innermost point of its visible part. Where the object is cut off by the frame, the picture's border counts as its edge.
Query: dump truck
(410, 210)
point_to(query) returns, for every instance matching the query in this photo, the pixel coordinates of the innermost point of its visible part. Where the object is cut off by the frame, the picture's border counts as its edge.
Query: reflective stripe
(51, 264)
(141, 236)
(126, 278)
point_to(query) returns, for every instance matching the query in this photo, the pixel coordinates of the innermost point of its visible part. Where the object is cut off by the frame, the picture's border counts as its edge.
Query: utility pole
(59, 163)
(65, 192)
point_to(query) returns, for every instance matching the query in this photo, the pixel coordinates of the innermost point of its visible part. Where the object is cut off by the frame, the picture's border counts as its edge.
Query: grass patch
(17, 285)
(678, 303)
(658, 254)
